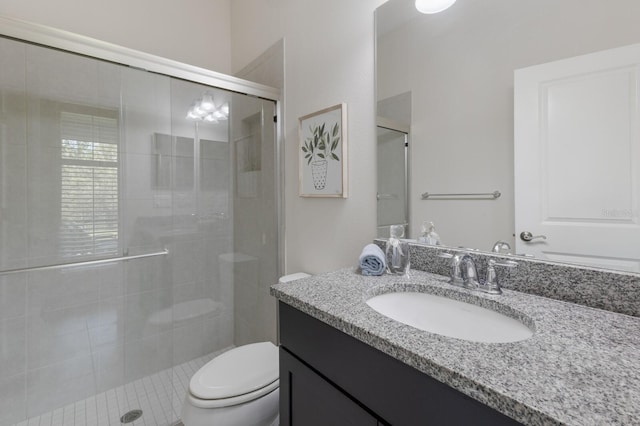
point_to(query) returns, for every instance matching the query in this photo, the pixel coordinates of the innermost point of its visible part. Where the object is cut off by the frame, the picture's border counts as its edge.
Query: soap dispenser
(428, 234)
(397, 251)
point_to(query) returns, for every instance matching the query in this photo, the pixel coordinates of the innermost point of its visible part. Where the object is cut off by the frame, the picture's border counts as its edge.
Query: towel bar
(474, 195)
(83, 263)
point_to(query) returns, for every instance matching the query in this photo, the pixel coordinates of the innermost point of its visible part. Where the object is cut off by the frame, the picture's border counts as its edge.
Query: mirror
(457, 69)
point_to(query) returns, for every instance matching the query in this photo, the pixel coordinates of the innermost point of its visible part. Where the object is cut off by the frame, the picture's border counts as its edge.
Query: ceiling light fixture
(205, 109)
(433, 6)
(210, 118)
(207, 102)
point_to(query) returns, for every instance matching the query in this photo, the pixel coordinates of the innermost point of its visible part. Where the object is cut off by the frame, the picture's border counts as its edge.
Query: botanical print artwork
(319, 149)
(322, 151)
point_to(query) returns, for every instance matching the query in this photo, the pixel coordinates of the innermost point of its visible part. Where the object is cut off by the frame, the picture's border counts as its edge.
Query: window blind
(89, 185)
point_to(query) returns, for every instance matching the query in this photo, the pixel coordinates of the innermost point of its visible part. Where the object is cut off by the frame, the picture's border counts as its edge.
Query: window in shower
(89, 184)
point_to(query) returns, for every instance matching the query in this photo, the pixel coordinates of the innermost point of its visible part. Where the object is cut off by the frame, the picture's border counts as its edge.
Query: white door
(577, 159)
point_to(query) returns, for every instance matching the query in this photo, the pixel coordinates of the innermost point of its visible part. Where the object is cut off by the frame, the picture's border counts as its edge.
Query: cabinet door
(307, 399)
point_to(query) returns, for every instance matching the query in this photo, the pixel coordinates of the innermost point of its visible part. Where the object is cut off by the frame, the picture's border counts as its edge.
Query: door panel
(576, 159)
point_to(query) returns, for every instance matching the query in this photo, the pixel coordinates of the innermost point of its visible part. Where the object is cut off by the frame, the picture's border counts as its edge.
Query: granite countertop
(581, 367)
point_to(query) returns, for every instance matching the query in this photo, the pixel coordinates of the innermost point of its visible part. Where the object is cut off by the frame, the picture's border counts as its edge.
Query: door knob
(528, 236)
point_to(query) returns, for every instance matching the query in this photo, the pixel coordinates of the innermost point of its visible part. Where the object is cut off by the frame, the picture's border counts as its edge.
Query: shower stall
(139, 227)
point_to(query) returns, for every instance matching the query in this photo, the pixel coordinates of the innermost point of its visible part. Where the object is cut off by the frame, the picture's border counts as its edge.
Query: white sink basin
(448, 317)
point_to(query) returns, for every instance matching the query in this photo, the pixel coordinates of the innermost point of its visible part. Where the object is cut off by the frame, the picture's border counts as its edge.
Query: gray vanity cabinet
(330, 378)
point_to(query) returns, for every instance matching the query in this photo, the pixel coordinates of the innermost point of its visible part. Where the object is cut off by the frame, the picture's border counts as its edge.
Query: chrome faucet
(501, 247)
(465, 274)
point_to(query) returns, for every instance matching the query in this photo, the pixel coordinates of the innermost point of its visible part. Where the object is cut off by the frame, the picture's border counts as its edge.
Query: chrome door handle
(528, 236)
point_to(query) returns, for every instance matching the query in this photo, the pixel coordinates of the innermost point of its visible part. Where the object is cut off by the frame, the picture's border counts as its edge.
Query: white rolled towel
(372, 260)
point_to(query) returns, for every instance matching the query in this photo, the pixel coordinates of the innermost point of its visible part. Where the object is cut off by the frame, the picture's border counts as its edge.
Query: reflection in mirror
(458, 67)
(392, 178)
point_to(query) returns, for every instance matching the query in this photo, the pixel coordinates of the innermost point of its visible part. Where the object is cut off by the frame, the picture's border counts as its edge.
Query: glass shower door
(255, 257)
(101, 161)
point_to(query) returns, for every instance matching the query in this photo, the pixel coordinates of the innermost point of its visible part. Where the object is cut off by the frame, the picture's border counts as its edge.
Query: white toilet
(238, 387)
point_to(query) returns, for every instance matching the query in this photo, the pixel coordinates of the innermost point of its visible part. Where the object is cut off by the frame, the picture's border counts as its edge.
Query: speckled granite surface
(598, 288)
(581, 367)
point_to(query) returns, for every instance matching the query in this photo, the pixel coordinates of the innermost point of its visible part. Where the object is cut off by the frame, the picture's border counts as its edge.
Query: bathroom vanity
(328, 377)
(341, 362)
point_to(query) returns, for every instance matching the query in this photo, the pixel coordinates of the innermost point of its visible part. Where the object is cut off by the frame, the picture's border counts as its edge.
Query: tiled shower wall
(71, 333)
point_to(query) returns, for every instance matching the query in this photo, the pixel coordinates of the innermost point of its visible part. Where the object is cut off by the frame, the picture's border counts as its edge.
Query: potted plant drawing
(319, 149)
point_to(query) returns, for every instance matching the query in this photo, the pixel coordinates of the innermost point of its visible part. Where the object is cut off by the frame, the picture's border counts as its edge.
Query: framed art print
(323, 153)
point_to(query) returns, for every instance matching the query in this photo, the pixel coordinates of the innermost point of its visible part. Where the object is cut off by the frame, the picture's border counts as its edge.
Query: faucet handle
(491, 284)
(456, 274)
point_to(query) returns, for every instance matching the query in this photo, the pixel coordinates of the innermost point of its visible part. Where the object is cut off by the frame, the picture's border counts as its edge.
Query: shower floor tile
(159, 396)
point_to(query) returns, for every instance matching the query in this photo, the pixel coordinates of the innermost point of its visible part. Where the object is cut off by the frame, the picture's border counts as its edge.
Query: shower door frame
(78, 44)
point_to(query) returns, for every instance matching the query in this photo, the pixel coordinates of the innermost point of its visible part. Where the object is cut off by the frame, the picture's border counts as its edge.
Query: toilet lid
(239, 371)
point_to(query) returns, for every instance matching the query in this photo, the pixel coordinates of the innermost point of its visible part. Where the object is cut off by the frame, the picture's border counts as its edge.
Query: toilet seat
(239, 375)
(235, 400)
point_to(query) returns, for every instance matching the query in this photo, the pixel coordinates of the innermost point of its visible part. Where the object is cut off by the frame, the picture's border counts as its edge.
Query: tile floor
(159, 397)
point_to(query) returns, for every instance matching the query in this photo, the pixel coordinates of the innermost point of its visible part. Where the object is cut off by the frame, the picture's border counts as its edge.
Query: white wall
(329, 58)
(195, 32)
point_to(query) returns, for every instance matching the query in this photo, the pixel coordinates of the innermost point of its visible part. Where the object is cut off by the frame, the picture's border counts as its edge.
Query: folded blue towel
(372, 260)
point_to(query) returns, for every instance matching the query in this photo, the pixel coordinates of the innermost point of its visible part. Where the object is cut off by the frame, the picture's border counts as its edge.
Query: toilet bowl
(238, 387)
